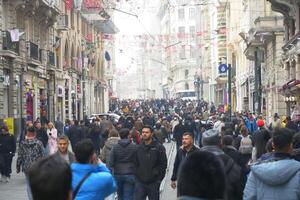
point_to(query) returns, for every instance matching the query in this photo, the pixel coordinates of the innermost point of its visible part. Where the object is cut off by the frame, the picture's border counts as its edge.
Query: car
(112, 116)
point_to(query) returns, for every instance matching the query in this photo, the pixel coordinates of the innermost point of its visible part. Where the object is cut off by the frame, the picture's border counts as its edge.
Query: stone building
(290, 58)
(52, 61)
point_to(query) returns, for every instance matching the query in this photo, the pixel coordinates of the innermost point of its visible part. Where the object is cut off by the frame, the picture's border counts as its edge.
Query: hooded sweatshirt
(274, 180)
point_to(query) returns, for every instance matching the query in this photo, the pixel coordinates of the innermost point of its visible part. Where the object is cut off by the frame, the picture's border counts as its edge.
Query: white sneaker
(6, 179)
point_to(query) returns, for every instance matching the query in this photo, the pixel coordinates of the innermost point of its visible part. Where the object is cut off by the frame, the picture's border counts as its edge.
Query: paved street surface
(16, 188)
(169, 193)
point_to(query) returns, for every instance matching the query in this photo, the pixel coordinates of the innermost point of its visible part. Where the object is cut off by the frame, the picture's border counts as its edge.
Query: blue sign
(223, 68)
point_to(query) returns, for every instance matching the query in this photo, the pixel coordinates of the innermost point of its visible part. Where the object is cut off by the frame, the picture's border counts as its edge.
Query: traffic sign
(223, 68)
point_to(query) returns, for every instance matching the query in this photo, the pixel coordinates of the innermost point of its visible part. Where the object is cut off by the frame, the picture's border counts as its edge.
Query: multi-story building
(290, 58)
(179, 22)
(264, 41)
(52, 60)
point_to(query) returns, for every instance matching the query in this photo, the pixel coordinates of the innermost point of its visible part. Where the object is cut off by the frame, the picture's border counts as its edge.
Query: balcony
(62, 22)
(9, 48)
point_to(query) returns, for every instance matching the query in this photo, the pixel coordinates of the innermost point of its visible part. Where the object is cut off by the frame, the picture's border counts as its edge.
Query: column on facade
(298, 67)
(287, 70)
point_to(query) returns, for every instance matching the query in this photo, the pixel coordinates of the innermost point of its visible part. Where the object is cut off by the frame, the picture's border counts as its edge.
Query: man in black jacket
(187, 148)
(122, 162)
(41, 133)
(75, 134)
(7, 152)
(151, 166)
(211, 141)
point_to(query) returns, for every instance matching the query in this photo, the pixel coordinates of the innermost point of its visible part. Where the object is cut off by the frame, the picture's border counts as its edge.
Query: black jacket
(180, 156)
(234, 183)
(75, 135)
(7, 144)
(41, 135)
(151, 162)
(122, 158)
(94, 133)
(234, 154)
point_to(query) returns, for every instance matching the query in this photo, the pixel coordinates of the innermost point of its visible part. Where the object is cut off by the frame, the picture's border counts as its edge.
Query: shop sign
(10, 124)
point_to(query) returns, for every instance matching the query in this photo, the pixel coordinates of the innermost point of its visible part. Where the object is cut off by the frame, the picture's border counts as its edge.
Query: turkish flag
(69, 4)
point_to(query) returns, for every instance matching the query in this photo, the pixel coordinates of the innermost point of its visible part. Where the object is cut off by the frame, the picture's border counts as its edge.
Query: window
(182, 52)
(181, 32)
(192, 52)
(192, 32)
(181, 29)
(181, 13)
(192, 13)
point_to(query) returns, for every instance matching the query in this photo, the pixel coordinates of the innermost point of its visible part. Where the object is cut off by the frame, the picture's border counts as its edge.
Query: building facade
(52, 61)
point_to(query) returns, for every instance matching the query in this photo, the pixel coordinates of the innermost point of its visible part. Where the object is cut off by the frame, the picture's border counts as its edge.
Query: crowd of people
(243, 156)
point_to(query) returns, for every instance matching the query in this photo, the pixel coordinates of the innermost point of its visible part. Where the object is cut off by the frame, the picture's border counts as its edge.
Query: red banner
(69, 4)
(92, 4)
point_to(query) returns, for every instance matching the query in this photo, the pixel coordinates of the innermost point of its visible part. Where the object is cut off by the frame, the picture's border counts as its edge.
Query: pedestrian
(30, 150)
(291, 125)
(7, 152)
(178, 133)
(245, 146)
(158, 135)
(94, 133)
(151, 166)
(202, 177)
(41, 134)
(63, 152)
(122, 163)
(187, 148)
(134, 135)
(230, 150)
(113, 138)
(52, 137)
(59, 126)
(211, 141)
(91, 179)
(67, 127)
(75, 134)
(279, 177)
(50, 178)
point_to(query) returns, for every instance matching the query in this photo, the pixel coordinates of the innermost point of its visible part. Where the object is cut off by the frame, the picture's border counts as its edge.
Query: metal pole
(229, 91)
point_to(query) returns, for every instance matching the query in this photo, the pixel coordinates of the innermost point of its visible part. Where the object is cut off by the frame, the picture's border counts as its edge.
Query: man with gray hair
(211, 141)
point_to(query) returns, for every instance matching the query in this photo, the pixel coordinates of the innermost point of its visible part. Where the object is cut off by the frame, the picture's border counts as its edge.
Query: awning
(291, 87)
(106, 26)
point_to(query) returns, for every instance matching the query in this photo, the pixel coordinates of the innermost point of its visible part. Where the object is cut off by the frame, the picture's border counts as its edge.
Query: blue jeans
(125, 186)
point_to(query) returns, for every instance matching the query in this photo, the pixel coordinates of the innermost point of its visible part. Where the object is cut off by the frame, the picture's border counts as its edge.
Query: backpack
(246, 145)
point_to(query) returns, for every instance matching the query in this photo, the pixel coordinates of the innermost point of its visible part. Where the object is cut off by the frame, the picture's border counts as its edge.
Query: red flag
(89, 37)
(69, 4)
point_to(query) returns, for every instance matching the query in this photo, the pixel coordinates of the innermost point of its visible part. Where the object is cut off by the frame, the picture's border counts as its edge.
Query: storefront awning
(106, 26)
(291, 87)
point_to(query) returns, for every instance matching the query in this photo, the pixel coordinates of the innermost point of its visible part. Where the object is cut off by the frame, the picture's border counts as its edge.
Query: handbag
(80, 184)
